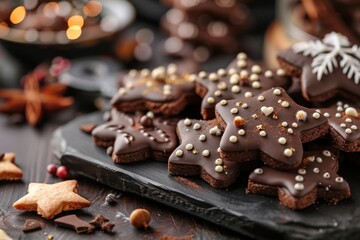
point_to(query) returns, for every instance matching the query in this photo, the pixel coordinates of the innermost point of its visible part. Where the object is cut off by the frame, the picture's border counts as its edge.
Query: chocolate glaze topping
(243, 78)
(271, 123)
(318, 170)
(199, 147)
(133, 132)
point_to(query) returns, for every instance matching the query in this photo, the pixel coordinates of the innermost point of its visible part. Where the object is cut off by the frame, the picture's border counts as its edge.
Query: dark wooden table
(33, 154)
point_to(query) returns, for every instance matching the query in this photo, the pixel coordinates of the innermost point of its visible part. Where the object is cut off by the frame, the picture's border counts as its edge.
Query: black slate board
(253, 215)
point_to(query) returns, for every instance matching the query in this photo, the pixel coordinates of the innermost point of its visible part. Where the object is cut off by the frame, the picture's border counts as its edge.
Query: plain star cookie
(51, 199)
(8, 170)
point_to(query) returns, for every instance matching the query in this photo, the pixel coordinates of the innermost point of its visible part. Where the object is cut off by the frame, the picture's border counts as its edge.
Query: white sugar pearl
(280, 72)
(179, 153)
(262, 133)
(339, 109)
(219, 169)
(277, 92)
(202, 137)
(256, 69)
(338, 115)
(223, 102)
(241, 63)
(218, 93)
(234, 79)
(319, 159)
(302, 171)
(197, 126)
(221, 72)
(234, 110)
(316, 115)
(282, 140)
(233, 139)
(316, 170)
(343, 125)
(348, 131)
(245, 105)
(295, 125)
(219, 161)
(326, 175)
(248, 94)
(254, 77)
(348, 120)
(326, 153)
(206, 153)
(284, 124)
(242, 56)
(299, 186)
(285, 104)
(213, 77)
(235, 89)
(256, 85)
(261, 98)
(311, 158)
(290, 131)
(326, 115)
(241, 132)
(189, 147)
(210, 100)
(187, 122)
(288, 152)
(299, 178)
(353, 127)
(268, 74)
(258, 171)
(232, 71)
(202, 74)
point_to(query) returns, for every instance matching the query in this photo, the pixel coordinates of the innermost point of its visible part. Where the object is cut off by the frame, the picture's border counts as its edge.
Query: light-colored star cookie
(8, 170)
(51, 199)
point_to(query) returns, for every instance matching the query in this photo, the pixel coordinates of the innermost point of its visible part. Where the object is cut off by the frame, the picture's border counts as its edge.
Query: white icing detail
(219, 161)
(316, 170)
(343, 125)
(319, 159)
(258, 171)
(326, 153)
(351, 112)
(234, 110)
(302, 171)
(261, 98)
(284, 124)
(353, 127)
(288, 152)
(285, 104)
(326, 53)
(262, 133)
(248, 94)
(267, 110)
(338, 115)
(215, 131)
(316, 115)
(210, 100)
(196, 126)
(294, 124)
(339, 179)
(223, 102)
(326, 115)
(348, 131)
(290, 131)
(348, 120)
(277, 91)
(326, 175)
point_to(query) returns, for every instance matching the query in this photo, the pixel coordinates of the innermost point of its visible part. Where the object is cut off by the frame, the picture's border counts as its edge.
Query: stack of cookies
(249, 121)
(200, 28)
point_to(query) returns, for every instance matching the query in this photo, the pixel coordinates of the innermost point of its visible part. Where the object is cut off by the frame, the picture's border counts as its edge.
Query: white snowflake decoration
(325, 55)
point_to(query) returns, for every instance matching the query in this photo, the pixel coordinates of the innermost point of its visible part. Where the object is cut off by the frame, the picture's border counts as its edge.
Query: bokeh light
(18, 15)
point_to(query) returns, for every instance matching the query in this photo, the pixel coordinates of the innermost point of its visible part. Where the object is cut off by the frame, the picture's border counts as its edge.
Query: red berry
(62, 172)
(52, 168)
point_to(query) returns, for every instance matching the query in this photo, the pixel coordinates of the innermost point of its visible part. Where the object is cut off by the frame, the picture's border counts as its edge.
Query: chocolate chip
(107, 227)
(72, 221)
(98, 221)
(111, 199)
(31, 225)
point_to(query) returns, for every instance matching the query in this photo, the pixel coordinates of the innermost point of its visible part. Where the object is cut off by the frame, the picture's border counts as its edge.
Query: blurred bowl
(96, 39)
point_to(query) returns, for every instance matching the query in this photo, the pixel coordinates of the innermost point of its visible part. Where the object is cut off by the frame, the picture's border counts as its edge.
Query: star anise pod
(34, 100)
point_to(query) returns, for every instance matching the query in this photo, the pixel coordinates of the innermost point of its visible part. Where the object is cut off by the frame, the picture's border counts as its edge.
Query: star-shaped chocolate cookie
(198, 154)
(137, 137)
(326, 67)
(163, 91)
(270, 127)
(51, 199)
(8, 170)
(243, 78)
(344, 121)
(315, 179)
